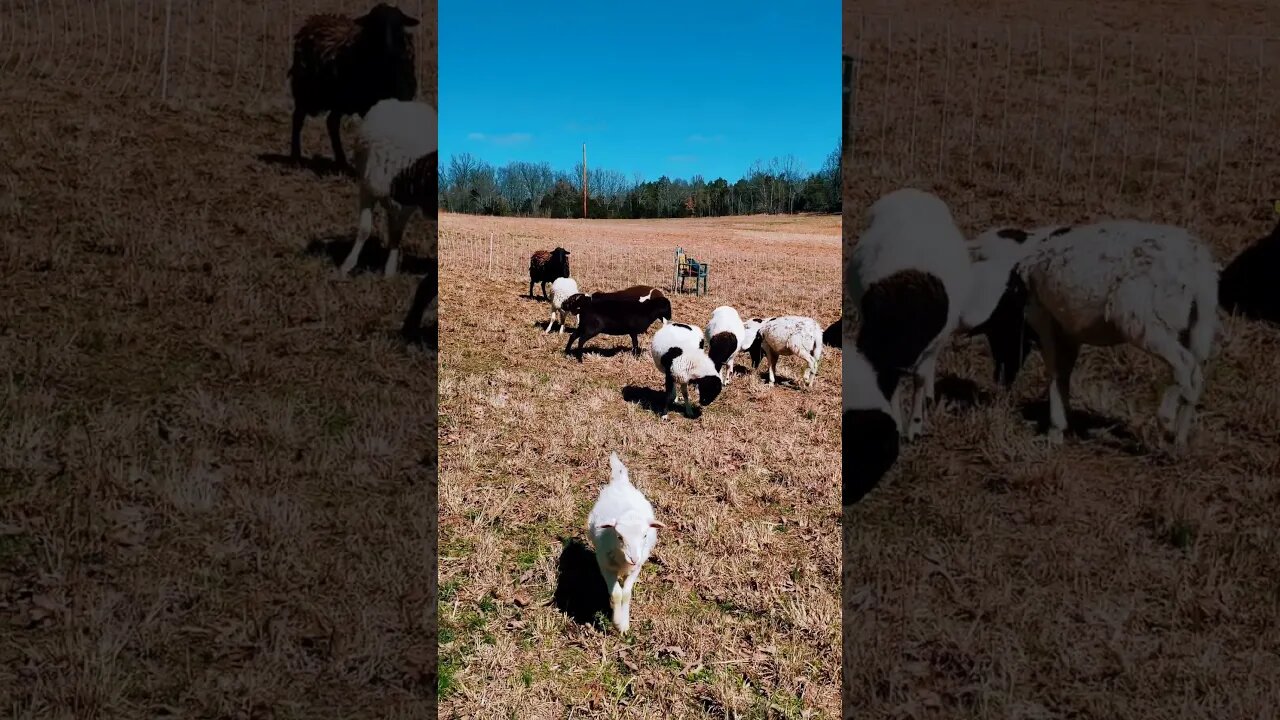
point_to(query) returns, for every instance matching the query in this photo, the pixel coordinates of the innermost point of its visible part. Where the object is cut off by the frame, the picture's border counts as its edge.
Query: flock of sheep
(917, 281)
(365, 66)
(622, 526)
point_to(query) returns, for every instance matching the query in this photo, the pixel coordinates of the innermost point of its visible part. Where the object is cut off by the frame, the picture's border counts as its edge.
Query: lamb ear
(658, 524)
(609, 524)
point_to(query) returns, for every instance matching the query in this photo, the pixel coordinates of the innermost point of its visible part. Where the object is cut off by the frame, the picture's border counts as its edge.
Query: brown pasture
(990, 576)
(737, 614)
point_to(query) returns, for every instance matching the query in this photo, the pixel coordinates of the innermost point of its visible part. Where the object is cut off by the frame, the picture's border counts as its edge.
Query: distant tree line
(781, 185)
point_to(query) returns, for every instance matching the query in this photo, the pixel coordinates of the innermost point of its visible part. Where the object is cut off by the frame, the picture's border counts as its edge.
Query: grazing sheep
(677, 350)
(624, 532)
(869, 434)
(397, 163)
(726, 336)
(1123, 281)
(997, 297)
(424, 302)
(562, 289)
(911, 276)
(625, 312)
(1247, 285)
(833, 336)
(545, 267)
(785, 335)
(344, 66)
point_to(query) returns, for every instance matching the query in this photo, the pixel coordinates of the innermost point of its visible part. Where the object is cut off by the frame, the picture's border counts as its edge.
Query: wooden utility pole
(584, 181)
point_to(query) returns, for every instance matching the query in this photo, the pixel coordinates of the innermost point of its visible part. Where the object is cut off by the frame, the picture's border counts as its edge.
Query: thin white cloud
(506, 139)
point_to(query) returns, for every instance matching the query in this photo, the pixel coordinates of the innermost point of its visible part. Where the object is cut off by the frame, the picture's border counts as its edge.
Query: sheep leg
(615, 592)
(1188, 381)
(635, 345)
(895, 408)
(362, 232)
(811, 369)
(551, 322)
(295, 138)
(668, 393)
(688, 406)
(924, 370)
(334, 123)
(397, 219)
(773, 364)
(531, 288)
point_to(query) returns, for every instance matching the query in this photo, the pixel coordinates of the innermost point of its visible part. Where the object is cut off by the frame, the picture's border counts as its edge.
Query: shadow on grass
(316, 164)
(1089, 425)
(580, 591)
(962, 393)
(651, 399)
(373, 256)
(602, 352)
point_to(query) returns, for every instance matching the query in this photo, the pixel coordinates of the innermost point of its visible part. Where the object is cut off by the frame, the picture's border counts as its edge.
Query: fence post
(164, 72)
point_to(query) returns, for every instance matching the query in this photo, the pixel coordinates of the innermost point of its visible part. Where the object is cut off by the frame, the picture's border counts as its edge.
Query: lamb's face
(709, 388)
(628, 550)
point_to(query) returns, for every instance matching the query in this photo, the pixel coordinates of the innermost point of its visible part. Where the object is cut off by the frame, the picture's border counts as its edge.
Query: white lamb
(785, 335)
(910, 274)
(1122, 281)
(678, 351)
(397, 163)
(726, 337)
(562, 289)
(624, 532)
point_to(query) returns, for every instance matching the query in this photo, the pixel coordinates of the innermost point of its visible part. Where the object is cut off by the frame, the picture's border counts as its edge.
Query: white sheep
(911, 276)
(869, 433)
(397, 163)
(726, 337)
(1122, 281)
(678, 350)
(562, 289)
(624, 532)
(785, 335)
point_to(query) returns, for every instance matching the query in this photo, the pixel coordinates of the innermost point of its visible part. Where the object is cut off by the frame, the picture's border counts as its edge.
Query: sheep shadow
(318, 165)
(580, 591)
(651, 399)
(1088, 425)
(961, 393)
(373, 256)
(605, 352)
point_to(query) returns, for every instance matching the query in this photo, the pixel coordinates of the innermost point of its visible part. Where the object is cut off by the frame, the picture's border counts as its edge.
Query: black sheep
(625, 312)
(545, 267)
(344, 66)
(1247, 286)
(833, 335)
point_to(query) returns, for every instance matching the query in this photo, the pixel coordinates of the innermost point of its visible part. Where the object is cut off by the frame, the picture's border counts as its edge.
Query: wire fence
(1055, 118)
(181, 49)
(757, 278)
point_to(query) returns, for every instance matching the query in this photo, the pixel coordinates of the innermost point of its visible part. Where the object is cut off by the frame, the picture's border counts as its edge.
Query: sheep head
(387, 25)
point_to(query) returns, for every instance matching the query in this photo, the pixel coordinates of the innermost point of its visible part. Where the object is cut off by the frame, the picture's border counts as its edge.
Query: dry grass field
(991, 577)
(216, 474)
(737, 613)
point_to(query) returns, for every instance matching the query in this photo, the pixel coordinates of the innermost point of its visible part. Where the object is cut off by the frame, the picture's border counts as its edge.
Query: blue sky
(673, 88)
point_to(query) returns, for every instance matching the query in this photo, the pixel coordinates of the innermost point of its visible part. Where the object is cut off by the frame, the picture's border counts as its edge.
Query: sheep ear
(658, 524)
(609, 524)
(408, 21)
